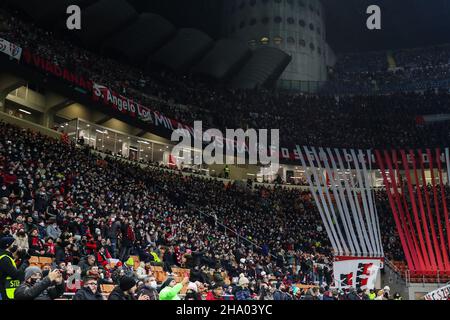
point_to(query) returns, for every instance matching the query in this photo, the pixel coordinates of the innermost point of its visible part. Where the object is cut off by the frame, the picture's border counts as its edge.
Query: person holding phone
(170, 289)
(35, 288)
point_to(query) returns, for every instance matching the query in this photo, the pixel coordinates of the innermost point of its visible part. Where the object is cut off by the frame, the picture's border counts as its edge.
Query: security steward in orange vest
(10, 276)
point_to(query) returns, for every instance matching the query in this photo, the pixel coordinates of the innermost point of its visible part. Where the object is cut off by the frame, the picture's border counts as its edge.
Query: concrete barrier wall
(29, 125)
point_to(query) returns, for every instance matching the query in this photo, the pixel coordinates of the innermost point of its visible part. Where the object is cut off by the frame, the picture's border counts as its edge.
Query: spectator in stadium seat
(380, 295)
(242, 291)
(125, 290)
(281, 292)
(103, 256)
(397, 296)
(49, 288)
(169, 289)
(128, 237)
(89, 291)
(21, 239)
(353, 295)
(86, 264)
(36, 246)
(386, 294)
(149, 288)
(141, 272)
(53, 230)
(216, 292)
(128, 268)
(193, 292)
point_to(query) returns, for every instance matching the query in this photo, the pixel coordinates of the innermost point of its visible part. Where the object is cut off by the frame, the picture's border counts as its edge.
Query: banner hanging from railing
(420, 214)
(358, 273)
(439, 294)
(345, 203)
(10, 49)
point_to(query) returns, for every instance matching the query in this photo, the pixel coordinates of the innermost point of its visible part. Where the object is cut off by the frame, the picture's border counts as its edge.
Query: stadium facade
(295, 26)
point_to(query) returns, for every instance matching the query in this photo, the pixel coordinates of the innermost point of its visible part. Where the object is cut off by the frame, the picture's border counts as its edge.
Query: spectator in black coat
(89, 291)
(125, 290)
(49, 288)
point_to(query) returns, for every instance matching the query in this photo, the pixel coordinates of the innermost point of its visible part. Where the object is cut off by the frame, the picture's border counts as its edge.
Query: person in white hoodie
(21, 239)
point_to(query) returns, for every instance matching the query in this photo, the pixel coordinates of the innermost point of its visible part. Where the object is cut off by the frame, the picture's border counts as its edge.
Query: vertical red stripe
(438, 214)
(394, 210)
(412, 197)
(430, 216)
(404, 224)
(423, 215)
(410, 226)
(443, 198)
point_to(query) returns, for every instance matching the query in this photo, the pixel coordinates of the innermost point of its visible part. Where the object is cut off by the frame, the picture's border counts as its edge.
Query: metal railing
(238, 236)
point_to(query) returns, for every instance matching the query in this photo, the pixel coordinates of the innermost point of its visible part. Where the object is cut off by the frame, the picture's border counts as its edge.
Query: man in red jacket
(216, 293)
(103, 256)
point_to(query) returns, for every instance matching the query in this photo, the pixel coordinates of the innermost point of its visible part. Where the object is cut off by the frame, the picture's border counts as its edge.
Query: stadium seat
(45, 261)
(34, 261)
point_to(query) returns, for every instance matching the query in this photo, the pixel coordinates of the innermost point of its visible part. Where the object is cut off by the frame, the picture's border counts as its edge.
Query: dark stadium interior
(90, 189)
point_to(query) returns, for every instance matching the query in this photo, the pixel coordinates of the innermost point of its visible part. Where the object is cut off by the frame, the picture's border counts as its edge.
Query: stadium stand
(62, 207)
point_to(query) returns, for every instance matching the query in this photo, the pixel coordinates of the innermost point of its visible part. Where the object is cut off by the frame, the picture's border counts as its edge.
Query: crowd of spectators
(412, 69)
(66, 203)
(60, 201)
(362, 121)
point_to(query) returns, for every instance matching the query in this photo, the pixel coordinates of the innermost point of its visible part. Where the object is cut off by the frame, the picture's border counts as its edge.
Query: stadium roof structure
(192, 42)
(405, 23)
(118, 30)
(265, 65)
(142, 38)
(224, 59)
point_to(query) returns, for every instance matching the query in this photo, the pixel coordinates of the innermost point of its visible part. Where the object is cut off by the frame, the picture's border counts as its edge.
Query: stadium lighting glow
(100, 131)
(144, 142)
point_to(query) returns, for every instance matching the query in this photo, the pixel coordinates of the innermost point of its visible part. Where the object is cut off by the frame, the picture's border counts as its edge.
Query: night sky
(405, 23)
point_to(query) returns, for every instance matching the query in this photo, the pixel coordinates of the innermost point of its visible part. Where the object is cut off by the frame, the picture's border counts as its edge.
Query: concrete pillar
(8, 83)
(2, 103)
(53, 104)
(48, 119)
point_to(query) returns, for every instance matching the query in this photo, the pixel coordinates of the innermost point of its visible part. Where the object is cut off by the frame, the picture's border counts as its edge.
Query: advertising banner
(439, 294)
